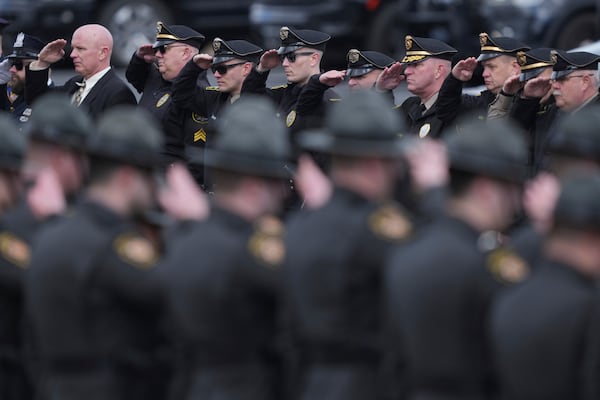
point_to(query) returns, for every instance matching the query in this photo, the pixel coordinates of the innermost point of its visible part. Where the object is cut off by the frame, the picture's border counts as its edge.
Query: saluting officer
(439, 288)
(332, 281)
(154, 67)
(14, 381)
(499, 61)
(364, 67)
(300, 55)
(546, 332)
(199, 107)
(224, 309)
(25, 50)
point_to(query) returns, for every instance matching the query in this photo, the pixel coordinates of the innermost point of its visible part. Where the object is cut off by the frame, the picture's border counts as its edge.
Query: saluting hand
(146, 52)
(463, 70)
(512, 85)
(46, 197)
(182, 198)
(203, 60)
(390, 77)
(332, 78)
(312, 184)
(537, 88)
(428, 164)
(268, 61)
(51, 53)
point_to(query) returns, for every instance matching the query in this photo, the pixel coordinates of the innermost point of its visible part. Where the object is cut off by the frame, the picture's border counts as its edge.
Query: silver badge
(19, 41)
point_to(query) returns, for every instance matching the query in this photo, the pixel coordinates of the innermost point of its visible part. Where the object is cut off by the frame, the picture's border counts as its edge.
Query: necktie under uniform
(79, 94)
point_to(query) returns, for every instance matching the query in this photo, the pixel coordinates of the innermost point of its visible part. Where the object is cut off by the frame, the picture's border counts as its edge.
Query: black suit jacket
(109, 91)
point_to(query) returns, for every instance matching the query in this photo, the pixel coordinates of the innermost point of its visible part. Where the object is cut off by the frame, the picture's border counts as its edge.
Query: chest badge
(291, 117)
(161, 102)
(424, 131)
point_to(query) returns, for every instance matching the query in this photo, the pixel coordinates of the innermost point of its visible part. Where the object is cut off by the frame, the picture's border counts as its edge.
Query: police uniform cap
(26, 46)
(578, 206)
(363, 124)
(491, 148)
(418, 49)
(492, 47)
(534, 62)
(129, 135)
(293, 39)
(363, 62)
(251, 140)
(230, 49)
(577, 135)
(13, 144)
(167, 34)
(565, 63)
(55, 119)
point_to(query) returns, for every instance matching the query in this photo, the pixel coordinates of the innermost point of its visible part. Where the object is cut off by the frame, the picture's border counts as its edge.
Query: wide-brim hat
(250, 140)
(362, 125)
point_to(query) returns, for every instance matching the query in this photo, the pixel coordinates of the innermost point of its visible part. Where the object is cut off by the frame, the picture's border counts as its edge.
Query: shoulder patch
(390, 223)
(14, 249)
(135, 250)
(161, 102)
(506, 266)
(290, 119)
(266, 244)
(213, 88)
(279, 87)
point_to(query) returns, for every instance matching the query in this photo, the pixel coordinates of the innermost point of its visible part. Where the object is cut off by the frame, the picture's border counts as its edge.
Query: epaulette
(213, 88)
(266, 243)
(507, 266)
(279, 87)
(135, 250)
(14, 249)
(390, 223)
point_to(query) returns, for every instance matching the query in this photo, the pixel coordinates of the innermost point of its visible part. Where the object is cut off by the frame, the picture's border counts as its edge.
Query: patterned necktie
(79, 94)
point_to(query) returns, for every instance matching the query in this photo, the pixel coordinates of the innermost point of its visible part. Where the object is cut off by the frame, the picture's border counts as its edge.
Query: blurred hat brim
(325, 142)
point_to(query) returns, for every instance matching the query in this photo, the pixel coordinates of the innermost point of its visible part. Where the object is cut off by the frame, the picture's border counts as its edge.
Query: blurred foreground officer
(440, 287)
(94, 308)
(223, 307)
(546, 333)
(333, 280)
(14, 383)
(25, 50)
(56, 134)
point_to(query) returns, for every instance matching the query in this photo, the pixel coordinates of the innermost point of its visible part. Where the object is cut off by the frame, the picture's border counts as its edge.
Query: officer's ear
(247, 68)
(315, 58)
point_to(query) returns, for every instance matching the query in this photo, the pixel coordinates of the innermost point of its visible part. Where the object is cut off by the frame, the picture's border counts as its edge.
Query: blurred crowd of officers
(245, 242)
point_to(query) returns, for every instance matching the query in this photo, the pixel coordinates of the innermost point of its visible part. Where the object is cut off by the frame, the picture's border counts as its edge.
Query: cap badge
(353, 56)
(19, 40)
(554, 56)
(408, 42)
(159, 27)
(283, 33)
(483, 39)
(217, 44)
(522, 57)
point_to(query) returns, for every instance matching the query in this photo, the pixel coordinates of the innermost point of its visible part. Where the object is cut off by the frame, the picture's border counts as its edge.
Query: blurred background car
(132, 22)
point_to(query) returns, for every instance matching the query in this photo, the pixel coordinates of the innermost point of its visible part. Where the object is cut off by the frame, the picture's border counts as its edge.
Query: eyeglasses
(292, 56)
(223, 68)
(18, 64)
(163, 49)
(566, 78)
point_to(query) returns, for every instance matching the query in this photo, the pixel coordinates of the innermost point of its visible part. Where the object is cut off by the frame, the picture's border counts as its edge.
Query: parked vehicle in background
(563, 24)
(132, 22)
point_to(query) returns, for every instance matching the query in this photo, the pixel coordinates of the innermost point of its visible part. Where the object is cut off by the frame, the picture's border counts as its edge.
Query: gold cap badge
(353, 56)
(522, 58)
(284, 32)
(483, 39)
(408, 42)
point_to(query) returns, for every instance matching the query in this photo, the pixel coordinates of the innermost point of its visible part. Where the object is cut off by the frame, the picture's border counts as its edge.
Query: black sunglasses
(292, 56)
(163, 49)
(18, 64)
(223, 68)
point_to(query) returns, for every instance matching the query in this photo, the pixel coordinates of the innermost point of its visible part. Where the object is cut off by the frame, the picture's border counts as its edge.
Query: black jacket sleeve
(137, 72)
